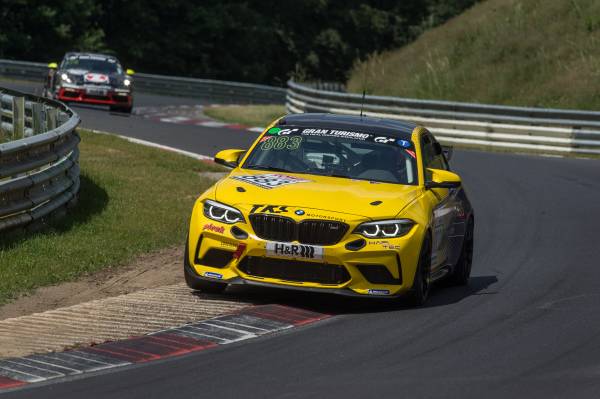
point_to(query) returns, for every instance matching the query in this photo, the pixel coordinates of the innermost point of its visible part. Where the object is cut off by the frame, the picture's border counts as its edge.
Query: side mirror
(130, 72)
(440, 178)
(448, 151)
(53, 65)
(229, 158)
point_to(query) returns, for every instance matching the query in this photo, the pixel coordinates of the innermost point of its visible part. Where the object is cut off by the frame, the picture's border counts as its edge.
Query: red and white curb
(248, 323)
(189, 115)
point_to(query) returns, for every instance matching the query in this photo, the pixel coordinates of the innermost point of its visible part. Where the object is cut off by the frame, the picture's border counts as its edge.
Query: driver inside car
(388, 164)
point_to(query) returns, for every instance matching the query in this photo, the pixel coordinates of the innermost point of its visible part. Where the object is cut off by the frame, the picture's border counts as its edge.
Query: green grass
(531, 53)
(249, 115)
(133, 199)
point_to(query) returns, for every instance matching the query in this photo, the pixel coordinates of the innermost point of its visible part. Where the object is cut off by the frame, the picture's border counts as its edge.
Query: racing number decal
(281, 142)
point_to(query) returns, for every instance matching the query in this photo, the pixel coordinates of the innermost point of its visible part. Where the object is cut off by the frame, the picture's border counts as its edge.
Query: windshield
(92, 64)
(339, 153)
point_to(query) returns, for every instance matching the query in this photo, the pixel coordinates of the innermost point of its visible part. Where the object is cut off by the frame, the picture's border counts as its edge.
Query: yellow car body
(219, 253)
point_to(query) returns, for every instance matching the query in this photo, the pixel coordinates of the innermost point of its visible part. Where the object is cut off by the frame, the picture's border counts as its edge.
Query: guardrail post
(51, 118)
(36, 118)
(18, 118)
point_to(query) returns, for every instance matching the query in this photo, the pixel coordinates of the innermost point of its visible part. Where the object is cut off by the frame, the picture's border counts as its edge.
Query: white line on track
(155, 145)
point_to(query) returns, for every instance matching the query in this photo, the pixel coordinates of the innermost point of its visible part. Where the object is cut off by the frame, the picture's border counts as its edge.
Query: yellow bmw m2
(332, 203)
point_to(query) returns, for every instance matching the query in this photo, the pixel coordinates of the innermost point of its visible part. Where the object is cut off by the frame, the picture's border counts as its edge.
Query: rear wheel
(195, 282)
(422, 283)
(462, 271)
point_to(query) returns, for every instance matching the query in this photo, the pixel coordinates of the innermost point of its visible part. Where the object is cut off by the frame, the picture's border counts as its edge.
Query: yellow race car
(330, 203)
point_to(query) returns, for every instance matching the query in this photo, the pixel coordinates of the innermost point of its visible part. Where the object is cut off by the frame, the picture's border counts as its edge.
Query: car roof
(366, 124)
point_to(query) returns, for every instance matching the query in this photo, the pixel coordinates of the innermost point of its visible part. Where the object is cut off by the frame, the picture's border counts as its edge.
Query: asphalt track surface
(527, 326)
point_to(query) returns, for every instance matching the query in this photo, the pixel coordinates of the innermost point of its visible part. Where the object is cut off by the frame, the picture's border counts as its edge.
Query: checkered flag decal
(270, 180)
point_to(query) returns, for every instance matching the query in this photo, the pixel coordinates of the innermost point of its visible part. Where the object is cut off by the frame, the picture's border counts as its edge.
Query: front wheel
(422, 283)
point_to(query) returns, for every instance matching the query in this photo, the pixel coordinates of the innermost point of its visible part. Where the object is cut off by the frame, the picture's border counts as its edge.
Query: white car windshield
(92, 65)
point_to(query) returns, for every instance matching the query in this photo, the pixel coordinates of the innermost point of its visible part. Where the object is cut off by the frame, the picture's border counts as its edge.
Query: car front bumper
(382, 267)
(102, 97)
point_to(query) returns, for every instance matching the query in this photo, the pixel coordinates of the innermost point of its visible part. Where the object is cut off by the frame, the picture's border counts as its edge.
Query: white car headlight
(385, 228)
(127, 82)
(221, 212)
(65, 77)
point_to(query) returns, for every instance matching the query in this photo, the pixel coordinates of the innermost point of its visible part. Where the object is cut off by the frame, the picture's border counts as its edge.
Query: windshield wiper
(333, 175)
(271, 168)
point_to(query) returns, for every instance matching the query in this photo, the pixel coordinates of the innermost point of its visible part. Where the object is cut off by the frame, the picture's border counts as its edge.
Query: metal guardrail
(554, 131)
(39, 169)
(213, 90)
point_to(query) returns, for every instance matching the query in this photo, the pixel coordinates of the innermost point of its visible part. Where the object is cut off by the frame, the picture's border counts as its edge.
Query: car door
(443, 201)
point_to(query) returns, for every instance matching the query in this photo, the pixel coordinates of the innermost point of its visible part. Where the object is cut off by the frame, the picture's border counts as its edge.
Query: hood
(97, 77)
(246, 189)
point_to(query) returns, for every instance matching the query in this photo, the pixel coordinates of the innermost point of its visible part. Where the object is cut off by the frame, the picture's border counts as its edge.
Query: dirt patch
(147, 271)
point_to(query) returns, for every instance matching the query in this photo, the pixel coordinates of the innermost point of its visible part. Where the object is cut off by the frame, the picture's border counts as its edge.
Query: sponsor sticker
(326, 217)
(213, 275)
(349, 134)
(384, 243)
(294, 251)
(213, 228)
(403, 143)
(299, 212)
(257, 208)
(96, 78)
(276, 131)
(383, 139)
(379, 292)
(336, 133)
(270, 180)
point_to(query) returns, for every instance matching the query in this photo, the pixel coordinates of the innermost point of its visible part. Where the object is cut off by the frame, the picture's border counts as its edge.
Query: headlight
(127, 82)
(221, 212)
(65, 77)
(385, 228)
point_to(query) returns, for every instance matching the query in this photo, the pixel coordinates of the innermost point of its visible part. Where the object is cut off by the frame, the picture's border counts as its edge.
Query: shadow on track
(337, 304)
(100, 108)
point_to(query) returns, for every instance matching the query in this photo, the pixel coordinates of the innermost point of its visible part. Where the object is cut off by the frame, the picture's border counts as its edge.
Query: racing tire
(462, 271)
(196, 283)
(419, 291)
(48, 93)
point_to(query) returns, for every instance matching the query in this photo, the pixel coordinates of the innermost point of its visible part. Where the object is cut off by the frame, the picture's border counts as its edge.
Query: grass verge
(249, 115)
(133, 199)
(532, 53)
